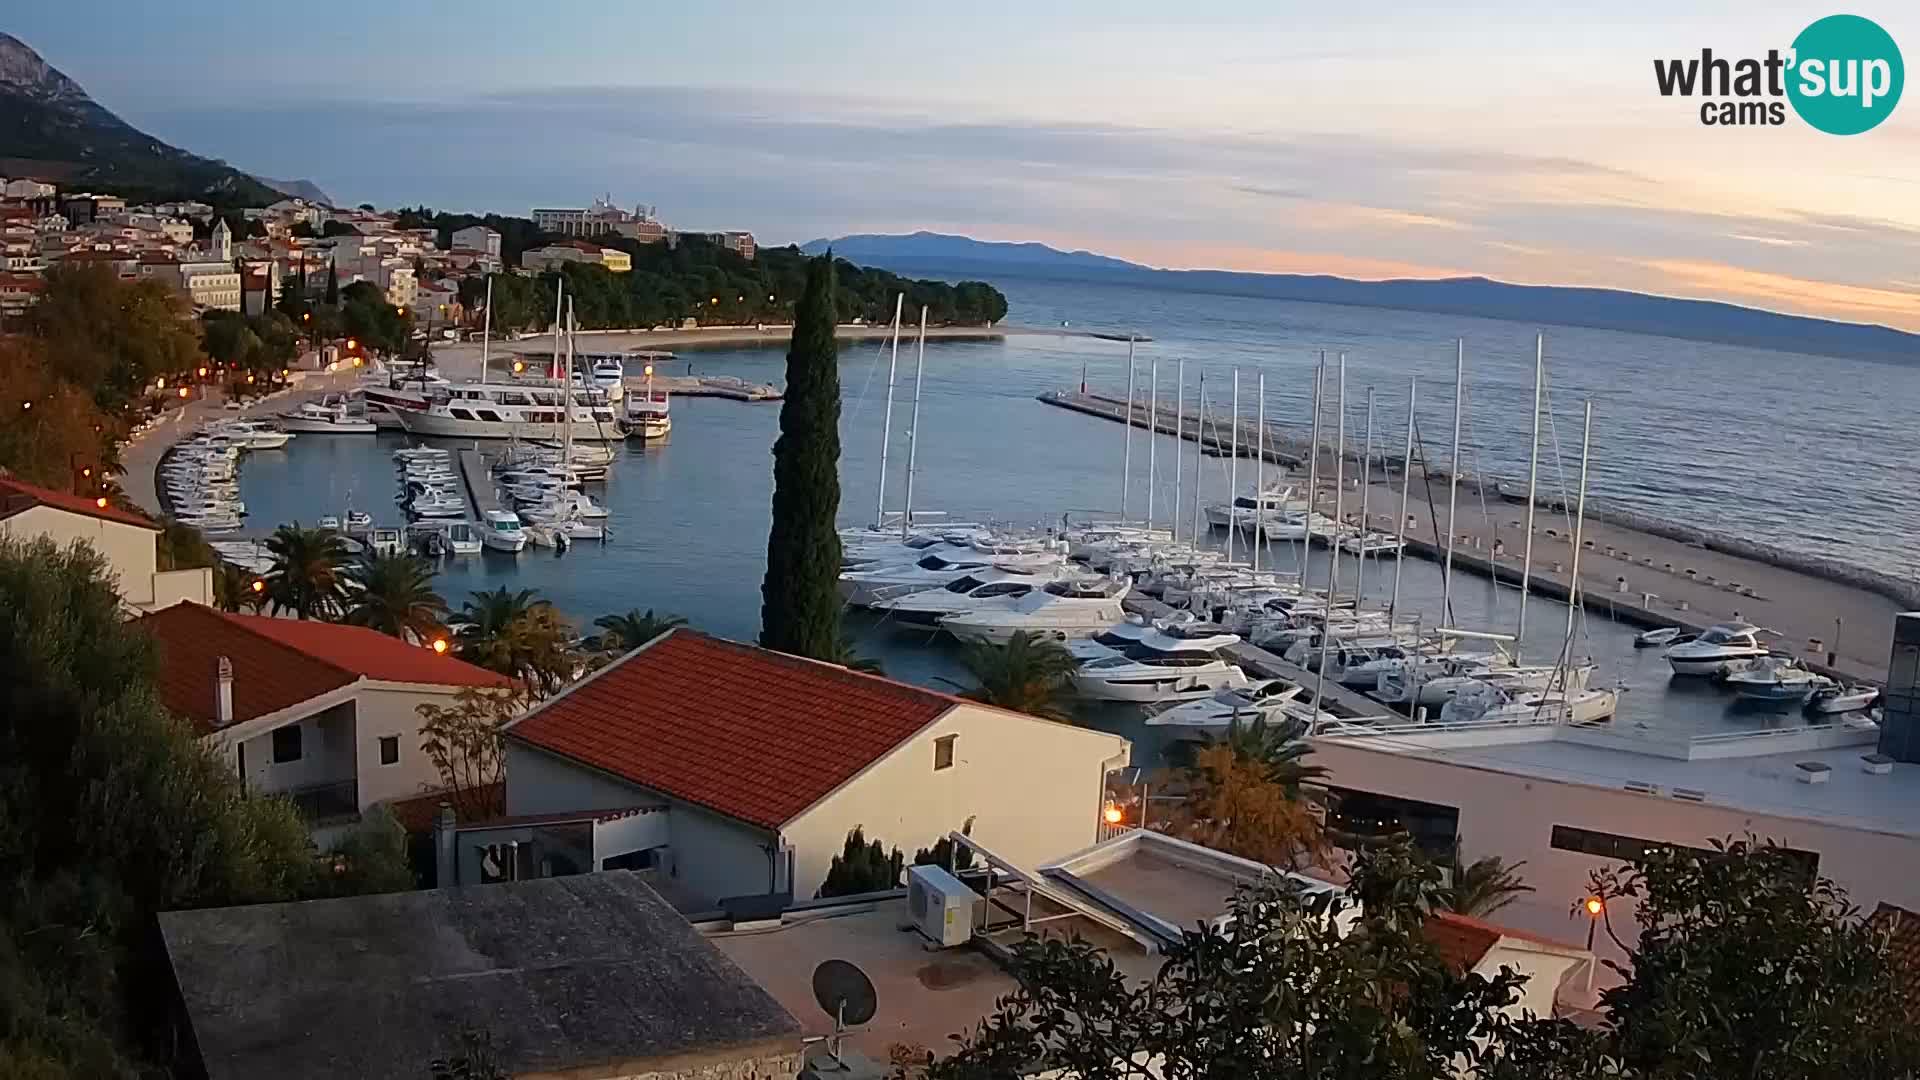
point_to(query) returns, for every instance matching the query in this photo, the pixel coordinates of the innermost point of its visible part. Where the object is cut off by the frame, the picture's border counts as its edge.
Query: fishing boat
(501, 530)
(1775, 680)
(1723, 648)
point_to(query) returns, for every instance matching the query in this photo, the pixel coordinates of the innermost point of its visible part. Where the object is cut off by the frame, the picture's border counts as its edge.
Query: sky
(1524, 142)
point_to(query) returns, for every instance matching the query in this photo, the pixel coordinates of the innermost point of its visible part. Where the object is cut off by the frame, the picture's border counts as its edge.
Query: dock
(720, 386)
(473, 469)
(1257, 661)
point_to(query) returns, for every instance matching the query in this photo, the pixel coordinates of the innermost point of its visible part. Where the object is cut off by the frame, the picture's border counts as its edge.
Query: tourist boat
(1276, 701)
(1490, 704)
(1062, 610)
(1175, 662)
(478, 410)
(1724, 647)
(501, 531)
(1835, 698)
(329, 416)
(649, 414)
(1775, 680)
(987, 587)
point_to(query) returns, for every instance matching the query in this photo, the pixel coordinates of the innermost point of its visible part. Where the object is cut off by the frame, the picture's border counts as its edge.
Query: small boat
(1491, 704)
(384, 541)
(1724, 648)
(1372, 543)
(1775, 679)
(359, 519)
(1662, 637)
(501, 530)
(328, 521)
(1835, 698)
(463, 538)
(329, 416)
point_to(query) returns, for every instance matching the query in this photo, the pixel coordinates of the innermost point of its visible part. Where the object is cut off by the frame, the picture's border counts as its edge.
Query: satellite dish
(845, 992)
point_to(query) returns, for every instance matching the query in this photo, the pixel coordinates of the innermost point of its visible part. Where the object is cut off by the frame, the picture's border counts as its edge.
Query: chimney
(445, 873)
(223, 694)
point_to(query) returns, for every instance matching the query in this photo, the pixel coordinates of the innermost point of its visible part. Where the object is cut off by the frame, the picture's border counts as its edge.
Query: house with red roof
(321, 712)
(128, 541)
(1475, 946)
(764, 762)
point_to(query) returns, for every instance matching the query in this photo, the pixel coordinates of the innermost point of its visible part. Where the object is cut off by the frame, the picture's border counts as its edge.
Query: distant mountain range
(51, 129)
(935, 254)
(299, 189)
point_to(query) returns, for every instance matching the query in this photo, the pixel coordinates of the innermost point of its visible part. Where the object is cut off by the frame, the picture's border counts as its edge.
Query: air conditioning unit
(942, 905)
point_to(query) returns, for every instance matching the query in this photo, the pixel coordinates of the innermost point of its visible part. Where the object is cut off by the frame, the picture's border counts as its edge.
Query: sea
(1805, 452)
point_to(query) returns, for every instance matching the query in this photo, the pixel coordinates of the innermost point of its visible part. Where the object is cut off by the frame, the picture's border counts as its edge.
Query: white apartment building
(478, 238)
(28, 189)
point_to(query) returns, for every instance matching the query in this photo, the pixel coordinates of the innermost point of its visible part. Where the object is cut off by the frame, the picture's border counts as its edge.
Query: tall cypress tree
(333, 285)
(800, 600)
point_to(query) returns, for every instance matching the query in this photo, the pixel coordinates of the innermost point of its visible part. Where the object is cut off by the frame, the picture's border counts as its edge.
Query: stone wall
(784, 1065)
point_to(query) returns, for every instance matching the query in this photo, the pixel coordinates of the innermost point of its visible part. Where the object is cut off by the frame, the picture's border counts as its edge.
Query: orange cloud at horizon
(1793, 295)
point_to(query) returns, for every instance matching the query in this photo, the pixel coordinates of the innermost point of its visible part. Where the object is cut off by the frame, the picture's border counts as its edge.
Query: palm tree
(632, 630)
(394, 595)
(1028, 674)
(1484, 887)
(1279, 748)
(307, 578)
(180, 546)
(517, 636)
(233, 588)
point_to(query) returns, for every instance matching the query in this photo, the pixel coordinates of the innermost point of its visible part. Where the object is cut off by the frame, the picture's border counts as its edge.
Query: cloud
(1785, 292)
(1776, 241)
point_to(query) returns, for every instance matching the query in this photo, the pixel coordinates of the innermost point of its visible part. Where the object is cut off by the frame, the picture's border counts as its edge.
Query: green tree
(518, 636)
(463, 742)
(1748, 966)
(112, 811)
(233, 588)
(943, 852)
(332, 294)
(308, 576)
(370, 859)
(800, 598)
(1310, 986)
(619, 633)
(1482, 887)
(862, 867)
(394, 595)
(1029, 674)
(181, 547)
(1234, 803)
(1278, 749)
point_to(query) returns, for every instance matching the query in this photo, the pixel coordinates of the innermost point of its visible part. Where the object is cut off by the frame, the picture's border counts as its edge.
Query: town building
(577, 977)
(602, 217)
(477, 238)
(763, 762)
(206, 283)
(320, 712)
(741, 243)
(18, 292)
(553, 256)
(31, 192)
(126, 540)
(1568, 800)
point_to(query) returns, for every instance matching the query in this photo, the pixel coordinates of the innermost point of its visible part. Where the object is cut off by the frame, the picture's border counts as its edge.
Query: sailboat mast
(1153, 434)
(886, 424)
(1406, 484)
(1199, 438)
(1233, 470)
(486, 332)
(1453, 477)
(1339, 484)
(913, 428)
(1259, 472)
(1366, 489)
(1179, 440)
(1313, 463)
(566, 397)
(1579, 540)
(1126, 452)
(1533, 478)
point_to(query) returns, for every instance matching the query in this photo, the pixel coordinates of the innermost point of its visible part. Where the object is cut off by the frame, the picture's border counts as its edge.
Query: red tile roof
(16, 496)
(756, 735)
(279, 663)
(1461, 942)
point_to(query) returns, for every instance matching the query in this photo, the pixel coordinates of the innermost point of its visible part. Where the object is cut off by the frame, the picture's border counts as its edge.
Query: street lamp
(101, 502)
(440, 645)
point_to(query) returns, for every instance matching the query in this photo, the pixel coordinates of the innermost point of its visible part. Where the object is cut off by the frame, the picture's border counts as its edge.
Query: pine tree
(333, 285)
(800, 601)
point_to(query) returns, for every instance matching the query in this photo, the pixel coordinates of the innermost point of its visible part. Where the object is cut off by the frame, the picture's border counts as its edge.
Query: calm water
(1789, 449)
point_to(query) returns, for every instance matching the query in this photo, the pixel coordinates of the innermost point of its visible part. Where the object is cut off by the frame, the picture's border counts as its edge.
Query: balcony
(323, 804)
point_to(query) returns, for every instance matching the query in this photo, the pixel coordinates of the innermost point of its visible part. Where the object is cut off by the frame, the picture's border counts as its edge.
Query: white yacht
(1723, 648)
(649, 414)
(501, 531)
(1063, 610)
(987, 587)
(1274, 700)
(463, 538)
(1377, 544)
(257, 434)
(528, 410)
(1489, 704)
(1116, 639)
(1432, 681)
(863, 588)
(1354, 662)
(328, 416)
(1175, 662)
(1245, 510)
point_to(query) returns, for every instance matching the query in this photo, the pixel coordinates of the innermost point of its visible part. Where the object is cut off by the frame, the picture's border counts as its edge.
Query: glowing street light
(203, 372)
(1113, 814)
(352, 344)
(258, 586)
(440, 645)
(26, 404)
(184, 392)
(101, 502)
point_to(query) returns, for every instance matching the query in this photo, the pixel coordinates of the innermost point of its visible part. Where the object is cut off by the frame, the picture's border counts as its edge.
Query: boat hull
(446, 427)
(327, 427)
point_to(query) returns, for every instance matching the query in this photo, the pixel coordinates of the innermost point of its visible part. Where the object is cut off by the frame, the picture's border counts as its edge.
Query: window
(1627, 848)
(286, 744)
(389, 749)
(943, 752)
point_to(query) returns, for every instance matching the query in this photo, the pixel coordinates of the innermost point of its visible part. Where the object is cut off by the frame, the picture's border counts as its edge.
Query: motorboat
(1661, 637)
(439, 504)
(1276, 701)
(1295, 526)
(987, 587)
(862, 588)
(1430, 682)
(1175, 662)
(1062, 610)
(1245, 511)
(1775, 680)
(1837, 698)
(1723, 647)
(1355, 662)
(1490, 704)
(328, 521)
(649, 414)
(258, 434)
(1376, 544)
(501, 530)
(359, 519)
(1114, 640)
(385, 541)
(479, 410)
(329, 416)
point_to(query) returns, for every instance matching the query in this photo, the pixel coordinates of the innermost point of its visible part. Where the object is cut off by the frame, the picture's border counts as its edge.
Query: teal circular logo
(1847, 75)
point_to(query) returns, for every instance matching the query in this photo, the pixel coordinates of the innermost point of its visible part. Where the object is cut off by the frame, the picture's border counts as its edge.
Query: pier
(473, 470)
(1633, 569)
(721, 386)
(1257, 661)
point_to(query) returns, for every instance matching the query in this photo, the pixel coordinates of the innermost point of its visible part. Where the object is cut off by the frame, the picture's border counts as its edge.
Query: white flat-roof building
(1567, 800)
